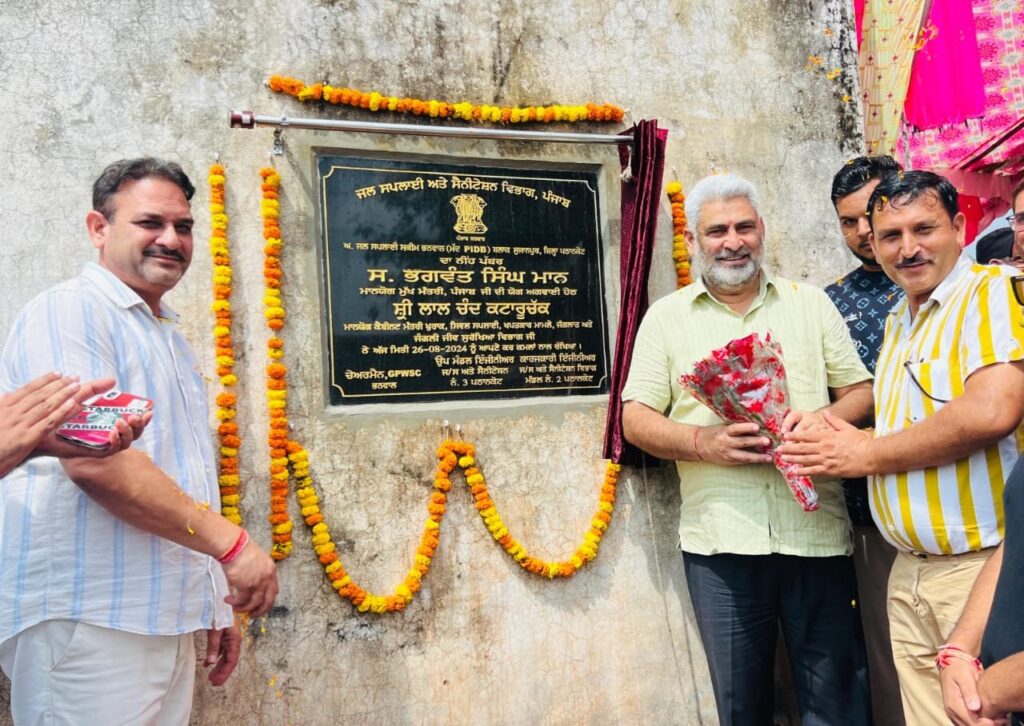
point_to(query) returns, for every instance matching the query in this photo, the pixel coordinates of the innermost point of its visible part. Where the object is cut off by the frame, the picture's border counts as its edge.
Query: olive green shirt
(748, 509)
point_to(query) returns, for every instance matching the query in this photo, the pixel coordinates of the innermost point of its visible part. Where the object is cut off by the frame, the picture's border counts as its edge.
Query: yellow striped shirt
(971, 320)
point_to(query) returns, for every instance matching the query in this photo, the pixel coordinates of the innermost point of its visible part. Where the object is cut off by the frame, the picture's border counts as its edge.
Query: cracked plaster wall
(84, 82)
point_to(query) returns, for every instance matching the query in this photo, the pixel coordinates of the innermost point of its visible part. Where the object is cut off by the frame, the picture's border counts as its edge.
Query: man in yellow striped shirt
(948, 408)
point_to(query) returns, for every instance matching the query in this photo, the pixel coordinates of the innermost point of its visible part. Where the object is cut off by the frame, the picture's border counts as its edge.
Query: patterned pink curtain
(998, 137)
(640, 203)
(946, 85)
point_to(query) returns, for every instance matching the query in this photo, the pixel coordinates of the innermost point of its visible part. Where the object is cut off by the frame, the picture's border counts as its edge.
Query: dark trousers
(740, 601)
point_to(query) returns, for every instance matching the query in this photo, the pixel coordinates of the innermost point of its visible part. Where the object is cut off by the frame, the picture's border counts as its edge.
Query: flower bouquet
(745, 382)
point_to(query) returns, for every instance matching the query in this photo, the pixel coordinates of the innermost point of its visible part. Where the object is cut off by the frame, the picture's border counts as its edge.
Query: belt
(929, 557)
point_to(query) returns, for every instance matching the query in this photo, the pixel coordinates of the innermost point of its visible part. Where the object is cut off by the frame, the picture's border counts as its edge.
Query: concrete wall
(85, 82)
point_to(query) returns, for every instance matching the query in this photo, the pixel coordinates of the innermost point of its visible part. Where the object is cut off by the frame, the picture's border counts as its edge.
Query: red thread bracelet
(696, 451)
(236, 548)
(949, 652)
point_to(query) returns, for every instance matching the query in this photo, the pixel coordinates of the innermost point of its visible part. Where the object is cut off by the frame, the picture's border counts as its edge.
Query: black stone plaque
(464, 281)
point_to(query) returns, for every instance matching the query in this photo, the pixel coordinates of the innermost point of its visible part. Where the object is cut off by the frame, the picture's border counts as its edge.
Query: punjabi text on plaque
(448, 281)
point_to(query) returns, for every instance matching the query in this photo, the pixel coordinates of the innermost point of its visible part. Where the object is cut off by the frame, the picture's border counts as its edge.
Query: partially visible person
(32, 414)
(864, 297)
(754, 560)
(1015, 258)
(110, 566)
(948, 410)
(994, 247)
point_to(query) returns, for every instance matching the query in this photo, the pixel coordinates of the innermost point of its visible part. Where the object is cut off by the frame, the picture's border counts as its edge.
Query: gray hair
(716, 187)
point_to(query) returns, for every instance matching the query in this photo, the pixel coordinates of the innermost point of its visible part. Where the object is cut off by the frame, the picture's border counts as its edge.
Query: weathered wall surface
(84, 82)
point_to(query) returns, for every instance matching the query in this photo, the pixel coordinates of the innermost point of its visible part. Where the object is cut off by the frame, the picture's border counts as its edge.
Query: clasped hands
(817, 441)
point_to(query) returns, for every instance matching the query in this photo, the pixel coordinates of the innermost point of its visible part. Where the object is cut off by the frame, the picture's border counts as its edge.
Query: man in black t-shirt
(864, 297)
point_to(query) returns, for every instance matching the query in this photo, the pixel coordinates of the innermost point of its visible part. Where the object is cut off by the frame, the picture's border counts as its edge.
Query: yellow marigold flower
(228, 451)
(576, 561)
(310, 509)
(318, 528)
(278, 396)
(230, 500)
(336, 584)
(225, 414)
(321, 538)
(598, 524)
(673, 188)
(475, 479)
(323, 549)
(333, 567)
(605, 507)
(277, 404)
(431, 524)
(403, 592)
(283, 528)
(229, 479)
(415, 574)
(375, 101)
(423, 560)
(434, 107)
(229, 380)
(392, 103)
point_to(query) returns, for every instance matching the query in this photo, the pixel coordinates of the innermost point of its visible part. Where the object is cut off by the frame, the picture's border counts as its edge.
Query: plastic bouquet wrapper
(745, 382)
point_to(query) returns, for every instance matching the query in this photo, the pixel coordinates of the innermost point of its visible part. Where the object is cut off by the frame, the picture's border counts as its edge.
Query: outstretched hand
(125, 431)
(840, 450)
(35, 411)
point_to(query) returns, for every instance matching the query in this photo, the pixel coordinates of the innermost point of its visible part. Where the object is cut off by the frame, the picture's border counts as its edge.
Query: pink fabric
(858, 13)
(946, 84)
(1000, 31)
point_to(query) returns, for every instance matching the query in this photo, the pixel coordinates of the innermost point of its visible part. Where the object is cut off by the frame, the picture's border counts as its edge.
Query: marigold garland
(679, 255)
(374, 101)
(489, 513)
(227, 427)
(277, 387)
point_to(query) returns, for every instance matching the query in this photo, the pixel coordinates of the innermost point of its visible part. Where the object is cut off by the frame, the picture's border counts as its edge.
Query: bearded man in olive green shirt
(753, 558)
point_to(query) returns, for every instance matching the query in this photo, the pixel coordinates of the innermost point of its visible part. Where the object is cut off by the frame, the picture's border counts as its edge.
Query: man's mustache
(163, 252)
(727, 256)
(915, 260)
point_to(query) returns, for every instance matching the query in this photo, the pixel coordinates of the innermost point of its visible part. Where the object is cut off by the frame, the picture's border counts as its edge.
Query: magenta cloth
(640, 204)
(999, 135)
(858, 14)
(946, 84)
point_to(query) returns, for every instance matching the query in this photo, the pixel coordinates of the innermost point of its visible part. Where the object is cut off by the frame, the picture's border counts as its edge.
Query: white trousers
(65, 673)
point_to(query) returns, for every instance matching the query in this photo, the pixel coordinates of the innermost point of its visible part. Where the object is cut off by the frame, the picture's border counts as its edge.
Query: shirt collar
(700, 290)
(945, 289)
(119, 293)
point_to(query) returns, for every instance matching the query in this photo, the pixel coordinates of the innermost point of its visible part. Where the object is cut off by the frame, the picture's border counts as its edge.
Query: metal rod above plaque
(460, 281)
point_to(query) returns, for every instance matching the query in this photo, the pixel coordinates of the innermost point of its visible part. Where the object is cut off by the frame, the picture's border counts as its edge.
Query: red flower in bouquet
(745, 382)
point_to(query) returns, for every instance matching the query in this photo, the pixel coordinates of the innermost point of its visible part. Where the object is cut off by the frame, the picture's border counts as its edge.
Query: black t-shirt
(1004, 633)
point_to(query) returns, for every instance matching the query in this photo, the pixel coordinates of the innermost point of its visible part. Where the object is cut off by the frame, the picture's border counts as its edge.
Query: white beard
(722, 277)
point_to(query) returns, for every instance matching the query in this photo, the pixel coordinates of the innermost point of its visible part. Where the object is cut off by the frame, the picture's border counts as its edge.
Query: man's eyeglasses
(1016, 221)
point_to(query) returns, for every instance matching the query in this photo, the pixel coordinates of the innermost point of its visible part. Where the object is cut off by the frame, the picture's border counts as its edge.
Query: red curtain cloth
(641, 194)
